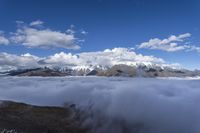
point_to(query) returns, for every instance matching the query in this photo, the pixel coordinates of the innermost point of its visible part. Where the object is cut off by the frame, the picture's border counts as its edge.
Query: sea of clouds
(116, 105)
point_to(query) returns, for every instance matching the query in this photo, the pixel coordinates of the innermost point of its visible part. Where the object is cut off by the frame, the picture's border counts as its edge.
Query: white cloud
(36, 35)
(170, 44)
(36, 23)
(194, 48)
(19, 22)
(70, 31)
(84, 32)
(4, 40)
(61, 59)
(12, 61)
(108, 57)
(33, 37)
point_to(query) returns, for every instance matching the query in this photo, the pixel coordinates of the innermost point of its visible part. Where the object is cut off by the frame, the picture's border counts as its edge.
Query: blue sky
(109, 24)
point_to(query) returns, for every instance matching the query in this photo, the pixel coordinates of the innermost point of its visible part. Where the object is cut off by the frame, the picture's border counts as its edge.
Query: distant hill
(44, 72)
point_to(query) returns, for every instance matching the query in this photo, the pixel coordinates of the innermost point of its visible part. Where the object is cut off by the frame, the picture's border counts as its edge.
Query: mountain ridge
(138, 70)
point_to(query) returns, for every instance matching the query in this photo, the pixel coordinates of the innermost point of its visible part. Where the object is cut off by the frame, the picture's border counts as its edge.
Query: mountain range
(138, 70)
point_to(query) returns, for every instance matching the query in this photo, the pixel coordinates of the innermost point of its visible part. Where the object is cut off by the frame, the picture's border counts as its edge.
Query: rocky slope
(24, 118)
(44, 72)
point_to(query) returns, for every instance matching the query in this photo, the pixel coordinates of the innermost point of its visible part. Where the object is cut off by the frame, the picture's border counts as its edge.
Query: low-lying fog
(120, 105)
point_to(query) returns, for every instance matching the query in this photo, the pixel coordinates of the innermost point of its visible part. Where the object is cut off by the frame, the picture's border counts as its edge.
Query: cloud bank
(118, 105)
(108, 57)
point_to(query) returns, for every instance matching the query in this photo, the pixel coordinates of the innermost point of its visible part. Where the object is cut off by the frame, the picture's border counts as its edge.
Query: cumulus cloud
(46, 38)
(4, 40)
(117, 105)
(11, 61)
(170, 44)
(35, 35)
(108, 57)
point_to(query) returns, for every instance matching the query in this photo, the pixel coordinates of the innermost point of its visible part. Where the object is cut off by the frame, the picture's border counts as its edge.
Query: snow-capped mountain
(132, 70)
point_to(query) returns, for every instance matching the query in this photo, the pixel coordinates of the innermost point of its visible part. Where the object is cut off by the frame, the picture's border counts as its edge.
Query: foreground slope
(24, 118)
